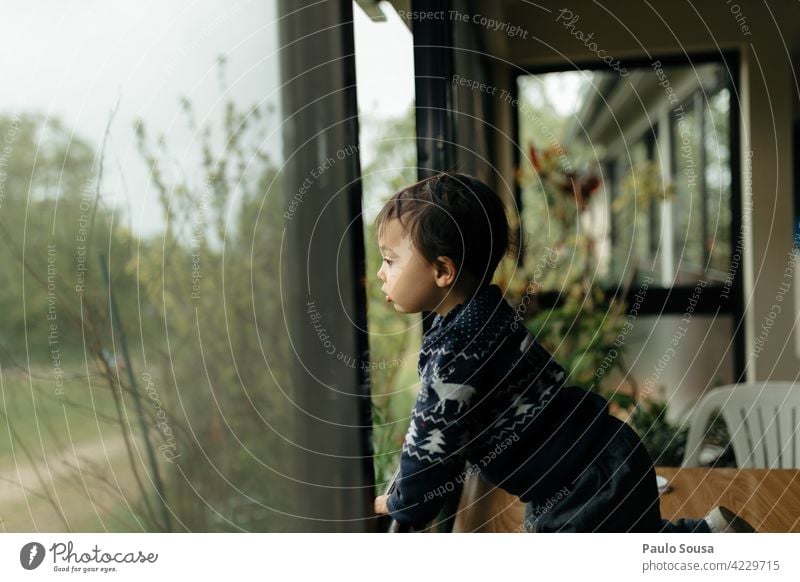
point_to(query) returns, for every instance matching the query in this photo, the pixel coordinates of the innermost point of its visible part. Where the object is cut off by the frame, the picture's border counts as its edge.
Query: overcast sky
(75, 60)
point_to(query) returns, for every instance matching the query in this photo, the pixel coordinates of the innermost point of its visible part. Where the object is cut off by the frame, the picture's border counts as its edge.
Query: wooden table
(768, 499)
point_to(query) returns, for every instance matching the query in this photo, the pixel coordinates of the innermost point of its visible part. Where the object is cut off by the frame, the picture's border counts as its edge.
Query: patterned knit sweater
(491, 395)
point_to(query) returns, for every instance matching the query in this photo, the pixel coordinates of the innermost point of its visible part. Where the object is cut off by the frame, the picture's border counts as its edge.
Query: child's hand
(380, 505)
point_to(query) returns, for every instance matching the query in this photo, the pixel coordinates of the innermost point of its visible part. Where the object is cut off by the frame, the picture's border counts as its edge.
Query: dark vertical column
(733, 63)
(433, 75)
(653, 225)
(434, 96)
(700, 106)
(520, 150)
(323, 269)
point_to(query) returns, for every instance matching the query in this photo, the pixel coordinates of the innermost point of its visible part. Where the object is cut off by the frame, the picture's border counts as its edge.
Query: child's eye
(387, 261)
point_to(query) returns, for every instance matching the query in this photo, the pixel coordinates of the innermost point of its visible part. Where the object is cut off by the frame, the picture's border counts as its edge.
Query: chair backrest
(763, 420)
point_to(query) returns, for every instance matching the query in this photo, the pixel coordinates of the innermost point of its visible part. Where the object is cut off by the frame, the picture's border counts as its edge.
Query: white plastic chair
(762, 419)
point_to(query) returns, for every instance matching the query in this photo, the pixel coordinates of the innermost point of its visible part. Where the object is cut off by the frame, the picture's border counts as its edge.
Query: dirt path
(19, 484)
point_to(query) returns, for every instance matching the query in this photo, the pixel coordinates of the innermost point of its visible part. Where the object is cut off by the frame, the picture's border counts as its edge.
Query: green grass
(34, 415)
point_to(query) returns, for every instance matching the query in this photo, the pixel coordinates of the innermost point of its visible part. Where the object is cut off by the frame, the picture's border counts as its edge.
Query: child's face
(409, 280)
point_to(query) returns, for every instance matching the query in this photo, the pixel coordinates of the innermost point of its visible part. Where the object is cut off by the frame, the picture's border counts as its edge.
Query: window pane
(688, 246)
(632, 209)
(665, 184)
(718, 183)
(556, 177)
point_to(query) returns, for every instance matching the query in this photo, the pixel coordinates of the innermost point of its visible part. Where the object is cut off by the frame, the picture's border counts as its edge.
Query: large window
(178, 349)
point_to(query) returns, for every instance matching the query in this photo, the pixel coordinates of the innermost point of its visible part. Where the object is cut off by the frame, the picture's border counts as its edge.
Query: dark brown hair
(456, 216)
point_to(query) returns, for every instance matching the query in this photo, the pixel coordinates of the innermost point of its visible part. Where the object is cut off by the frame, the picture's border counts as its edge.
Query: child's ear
(446, 271)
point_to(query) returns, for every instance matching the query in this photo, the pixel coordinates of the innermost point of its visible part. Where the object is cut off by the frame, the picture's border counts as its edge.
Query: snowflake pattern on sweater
(483, 381)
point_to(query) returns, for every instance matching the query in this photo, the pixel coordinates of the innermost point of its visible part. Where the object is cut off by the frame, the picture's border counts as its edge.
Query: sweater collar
(484, 299)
